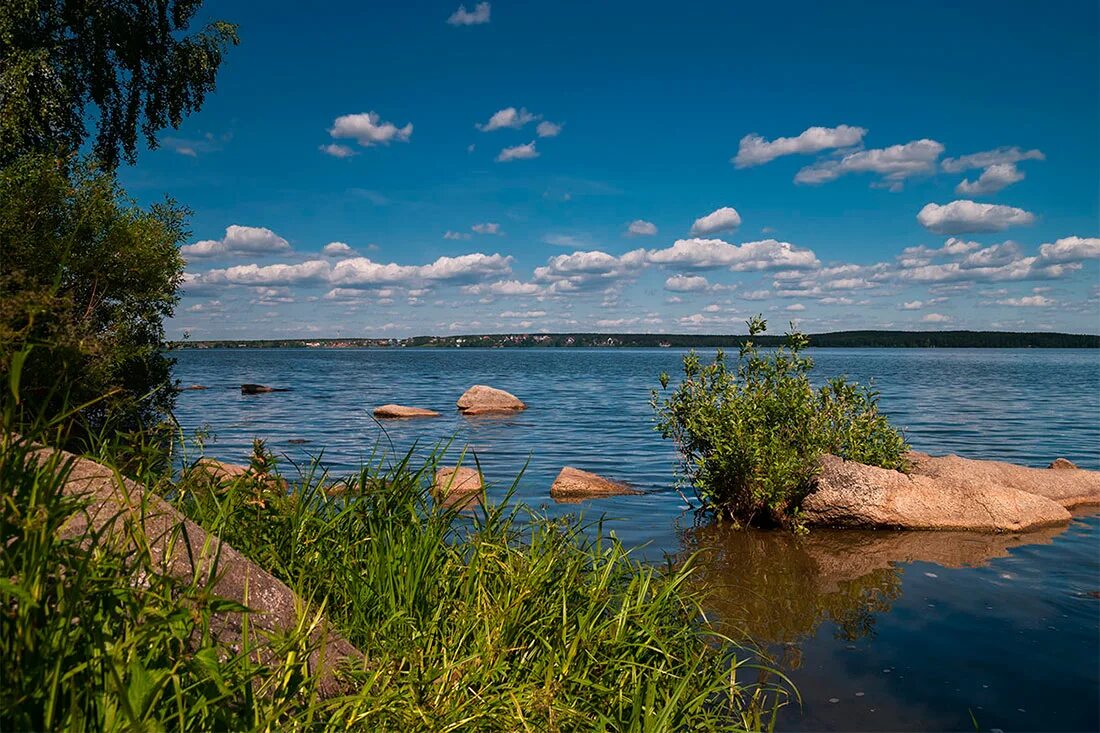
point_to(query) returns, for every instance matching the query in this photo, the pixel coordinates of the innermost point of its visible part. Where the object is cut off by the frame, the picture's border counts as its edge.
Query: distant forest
(838, 339)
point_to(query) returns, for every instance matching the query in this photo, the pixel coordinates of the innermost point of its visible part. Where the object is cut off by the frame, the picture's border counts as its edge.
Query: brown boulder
(220, 470)
(399, 411)
(1062, 464)
(573, 484)
(1067, 486)
(479, 400)
(457, 487)
(850, 494)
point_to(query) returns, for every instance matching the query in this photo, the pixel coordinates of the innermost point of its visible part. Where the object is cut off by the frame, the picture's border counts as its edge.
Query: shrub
(750, 437)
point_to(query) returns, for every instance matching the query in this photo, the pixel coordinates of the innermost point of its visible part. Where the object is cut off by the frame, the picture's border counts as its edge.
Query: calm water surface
(879, 630)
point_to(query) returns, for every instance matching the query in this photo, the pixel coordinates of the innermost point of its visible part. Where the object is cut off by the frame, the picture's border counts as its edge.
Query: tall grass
(490, 620)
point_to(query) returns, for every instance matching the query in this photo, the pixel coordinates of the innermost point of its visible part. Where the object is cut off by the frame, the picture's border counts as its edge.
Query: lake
(879, 630)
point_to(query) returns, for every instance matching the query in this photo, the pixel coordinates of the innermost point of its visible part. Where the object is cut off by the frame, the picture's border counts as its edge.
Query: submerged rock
(573, 484)
(1062, 464)
(260, 389)
(479, 400)
(400, 411)
(937, 493)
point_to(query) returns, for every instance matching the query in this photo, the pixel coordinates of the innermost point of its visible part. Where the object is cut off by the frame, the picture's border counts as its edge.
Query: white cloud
(478, 16)
(509, 117)
(894, 164)
(992, 180)
(936, 318)
(641, 228)
(278, 274)
(687, 284)
(456, 235)
(996, 255)
(489, 227)
(998, 156)
(718, 220)
(796, 307)
(767, 254)
(523, 314)
(963, 216)
(368, 129)
(467, 267)
(518, 152)
(502, 287)
(1028, 301)
(588, 268)
(337, 249)
(912, 305)
(336, 150)
(755, 150)
(238, 240)
(548, 129)
(1071, 249)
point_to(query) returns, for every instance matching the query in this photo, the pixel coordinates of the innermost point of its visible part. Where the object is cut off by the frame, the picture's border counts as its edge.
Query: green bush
(750, 437)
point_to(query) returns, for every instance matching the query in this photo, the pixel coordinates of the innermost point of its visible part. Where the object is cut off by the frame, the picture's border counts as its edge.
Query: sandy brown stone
(573, 484)
(480, 400)
(401, 411)
(850, 494)
(220, 470)
(1069, 487)
(193, 388)
(1062, 464)
(185, 551)
(457, 487)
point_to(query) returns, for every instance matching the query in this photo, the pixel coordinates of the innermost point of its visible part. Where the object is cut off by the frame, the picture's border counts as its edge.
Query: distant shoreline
(836, 339)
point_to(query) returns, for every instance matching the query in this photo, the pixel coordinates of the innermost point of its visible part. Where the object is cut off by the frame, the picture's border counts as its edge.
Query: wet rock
(573, 484)
(457, 487)
(193, 388)
(401, 411)
(1070, 487)
(260, 389)
(480, 400)
(1062, 464)
(297, 441)
(850, 494)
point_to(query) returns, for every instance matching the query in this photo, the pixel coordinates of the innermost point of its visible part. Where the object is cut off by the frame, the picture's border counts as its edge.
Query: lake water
(879, 630)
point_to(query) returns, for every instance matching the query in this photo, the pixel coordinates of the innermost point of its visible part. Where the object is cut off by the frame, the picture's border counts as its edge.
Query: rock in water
(193, 388)
(479, 400)
(1062, 464)
(260, 389)
(573, 484)
(398, 411)
(850, 494)
(457, 487)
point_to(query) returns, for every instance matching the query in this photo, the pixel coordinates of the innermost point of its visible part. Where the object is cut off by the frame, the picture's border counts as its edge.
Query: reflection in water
(775, 587)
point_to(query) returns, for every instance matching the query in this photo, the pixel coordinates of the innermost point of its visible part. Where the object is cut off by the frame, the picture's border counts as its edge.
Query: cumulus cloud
(548, 129)
(585, 269)
(1071, 249)
(337, 249)
(518, 152)
(238, 240)
(523, 314)
(912, 305)
(796, 307)
(965, 216)
(1028, 301)
(456, 235)
(278, 274)
(687, 284)
(641, 228)
(767, 254)
(478, 16)
(718, 220)
(367, 129)
(755, 150)
(509, 117)
(998, 156)
(893, 164)
(503, 287)
(489, 227)
(336, 150)
(992, 180)
(936, 318)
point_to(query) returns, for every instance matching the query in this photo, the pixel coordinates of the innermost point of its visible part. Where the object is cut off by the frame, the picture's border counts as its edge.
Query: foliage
(87, 278)
(132, 61)
(750, 437)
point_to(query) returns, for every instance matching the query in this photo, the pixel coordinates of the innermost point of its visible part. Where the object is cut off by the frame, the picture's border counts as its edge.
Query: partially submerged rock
(458, 487)
(260, 389)
(193, 388)
(573, 484)
(402, 411)
(850, 494)
(1062, 464)
(479, 400)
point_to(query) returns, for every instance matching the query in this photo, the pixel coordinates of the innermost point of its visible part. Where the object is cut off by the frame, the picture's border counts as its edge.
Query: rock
(479, 400)
(573, 484)
(193, 388)
(457, 487)
(400, 411)
(297, 441)
(1062, 464)
(1070, 487)
(190, 554)
(260, 389)
(220, 470)
(850, 494)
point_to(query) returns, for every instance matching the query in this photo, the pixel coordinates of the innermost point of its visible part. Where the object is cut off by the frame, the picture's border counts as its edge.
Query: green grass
(490, 620)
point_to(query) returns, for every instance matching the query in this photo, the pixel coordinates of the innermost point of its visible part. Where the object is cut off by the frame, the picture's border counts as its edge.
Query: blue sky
(844, 165)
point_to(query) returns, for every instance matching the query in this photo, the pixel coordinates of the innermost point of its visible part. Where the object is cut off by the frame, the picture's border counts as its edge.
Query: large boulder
(1061, 464)
(573, 484)
(1068, 485)
(479, 400)
(850, 494)
(458, 487)
(388, 412)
